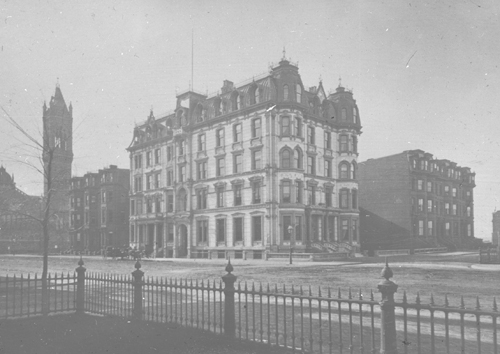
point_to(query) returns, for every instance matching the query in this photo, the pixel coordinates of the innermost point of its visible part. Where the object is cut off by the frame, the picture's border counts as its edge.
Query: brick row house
(99, 209)
(261, 166)
(412, 198)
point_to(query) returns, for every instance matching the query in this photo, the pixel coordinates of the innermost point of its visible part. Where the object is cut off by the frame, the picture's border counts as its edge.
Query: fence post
(80, 286)
(388, 338)
(229, 313)
(138, 274)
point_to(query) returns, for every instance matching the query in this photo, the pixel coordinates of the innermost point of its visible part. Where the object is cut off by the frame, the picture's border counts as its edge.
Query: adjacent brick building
(265, 165)
(100, 209)
(414, 200)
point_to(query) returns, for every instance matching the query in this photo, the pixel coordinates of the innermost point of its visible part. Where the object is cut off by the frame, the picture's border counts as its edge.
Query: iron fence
(303, 319)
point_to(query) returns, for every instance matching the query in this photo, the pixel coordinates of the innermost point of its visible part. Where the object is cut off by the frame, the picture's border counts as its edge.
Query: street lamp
(290, 230)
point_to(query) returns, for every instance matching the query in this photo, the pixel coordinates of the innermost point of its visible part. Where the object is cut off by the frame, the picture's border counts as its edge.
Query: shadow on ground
(87, 334)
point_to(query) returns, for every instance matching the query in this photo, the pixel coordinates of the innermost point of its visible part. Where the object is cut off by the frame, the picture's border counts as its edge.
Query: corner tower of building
(58, 137)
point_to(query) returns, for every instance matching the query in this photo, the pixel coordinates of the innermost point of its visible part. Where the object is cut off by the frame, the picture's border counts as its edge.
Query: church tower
(58, 135)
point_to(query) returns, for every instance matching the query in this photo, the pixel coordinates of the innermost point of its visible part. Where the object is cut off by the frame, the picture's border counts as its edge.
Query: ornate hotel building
(262, 166)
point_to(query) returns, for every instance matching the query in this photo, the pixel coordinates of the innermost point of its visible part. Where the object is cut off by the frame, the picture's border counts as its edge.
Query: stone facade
(262, 166)
(427, 202)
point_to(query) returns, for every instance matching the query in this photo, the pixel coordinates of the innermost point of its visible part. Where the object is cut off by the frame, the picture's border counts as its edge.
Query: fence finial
(229, 267)
(387, 271)
(137, 265)
(80, 262)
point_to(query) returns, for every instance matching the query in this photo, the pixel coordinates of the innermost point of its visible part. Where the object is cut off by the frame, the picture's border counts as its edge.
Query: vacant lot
(438, 274)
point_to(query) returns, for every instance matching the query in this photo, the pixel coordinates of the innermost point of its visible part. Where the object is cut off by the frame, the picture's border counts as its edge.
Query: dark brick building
(100, 209)
(414, 200)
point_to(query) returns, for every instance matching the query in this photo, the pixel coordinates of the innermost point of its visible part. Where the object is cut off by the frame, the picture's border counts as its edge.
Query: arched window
(253, 94)
(344, 170)
(286, 158)
(257, 94)
(298, 92)
(241, 102)
(285, 92)
(354, 168)
(297, 155)
(234, 101)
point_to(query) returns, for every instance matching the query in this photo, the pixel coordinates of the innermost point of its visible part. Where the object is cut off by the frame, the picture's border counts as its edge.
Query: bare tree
(45, 167)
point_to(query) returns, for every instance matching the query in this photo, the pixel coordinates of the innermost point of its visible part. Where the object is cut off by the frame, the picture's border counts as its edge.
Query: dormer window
(217, 106)
(285, 92)
(298, 91)
(343, 117)
(354, 115)
(234, 101)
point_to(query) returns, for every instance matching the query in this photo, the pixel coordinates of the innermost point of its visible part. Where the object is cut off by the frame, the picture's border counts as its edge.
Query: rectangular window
(149, 156)
(355, 144)
(257, 228)
(298, 127)
(344, 199)
(312, 195)
(219, 137)
(287, 227)
(182, 173)
(429, 187)
(220, 197)
(220, 230)
(328, 196)
(454, 209)
(157, 156)
(202, 230)
(157, 181)
(344, 143)
(220, 166)
(202, 170)
(421, 228)
(328, 140)
(286, 192)
(201, 142)
(420, 204)
(149, 205)
(285, 126)
(170, 177)
(429, 205)
(170, 203)
(149, 182)
(238, 163)
(420, 185)
(430, 230)
(298, 228)
(158, 205)
(328, 168)
(345, 229)
(132, 207)
(237, 194)
(446, 190)
(311, 165)
(447, 229)
(237, 133)
(311, 135)
(256, 193)
(170, 233)
(169, 153)
(354, 197)
(238, 229)
(256, 128)
(181, 145)
(139, 207)
(138, 161)
(257, 160)
(298, 192)
(454, 192)
(201, 197)
(447, 208)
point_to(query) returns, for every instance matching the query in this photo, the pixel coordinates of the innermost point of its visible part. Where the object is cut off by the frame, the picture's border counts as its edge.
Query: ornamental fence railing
(303, 319)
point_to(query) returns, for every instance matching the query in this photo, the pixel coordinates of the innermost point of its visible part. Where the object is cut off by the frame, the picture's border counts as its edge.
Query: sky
(424, 74)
